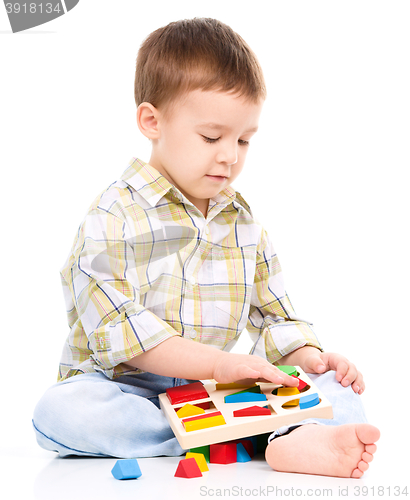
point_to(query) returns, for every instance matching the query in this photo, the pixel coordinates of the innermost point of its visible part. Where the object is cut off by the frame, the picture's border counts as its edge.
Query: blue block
(309, 401)
(244, 397)
(241, 454)
(126, 469)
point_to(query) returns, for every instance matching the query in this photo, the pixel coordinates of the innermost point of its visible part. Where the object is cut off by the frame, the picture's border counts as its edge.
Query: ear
(147, 120)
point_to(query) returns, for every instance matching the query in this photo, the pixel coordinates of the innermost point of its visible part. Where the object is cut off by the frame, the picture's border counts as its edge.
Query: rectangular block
(187, 392)
(203, 421)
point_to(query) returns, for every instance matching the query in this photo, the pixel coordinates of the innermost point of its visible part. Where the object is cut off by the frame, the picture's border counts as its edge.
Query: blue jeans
(91, 415)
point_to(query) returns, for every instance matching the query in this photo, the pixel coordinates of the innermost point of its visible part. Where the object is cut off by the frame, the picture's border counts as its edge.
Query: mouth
(217, 177)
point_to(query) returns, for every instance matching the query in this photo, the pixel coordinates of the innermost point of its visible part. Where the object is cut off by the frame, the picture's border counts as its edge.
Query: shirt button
(192, 334)
(192, 280)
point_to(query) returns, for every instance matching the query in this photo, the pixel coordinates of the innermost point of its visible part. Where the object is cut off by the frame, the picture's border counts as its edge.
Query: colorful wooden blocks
(126, 469)
(252, 411)
(204, 450)
(203, 421)
(288, 391)
(200, 460)
(188, 468)
(309, 401)
(187, 392)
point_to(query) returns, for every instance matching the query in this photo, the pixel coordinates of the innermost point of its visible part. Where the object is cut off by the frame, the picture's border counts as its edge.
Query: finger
(314, 364)
(358, 385)
(341, 370)
(350, 375)
(276, 376)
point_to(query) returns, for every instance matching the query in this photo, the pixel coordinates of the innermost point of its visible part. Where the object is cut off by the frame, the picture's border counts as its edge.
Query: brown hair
(195, 54)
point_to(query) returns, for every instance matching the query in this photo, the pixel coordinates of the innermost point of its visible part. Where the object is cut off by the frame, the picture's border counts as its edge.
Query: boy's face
(207, 134)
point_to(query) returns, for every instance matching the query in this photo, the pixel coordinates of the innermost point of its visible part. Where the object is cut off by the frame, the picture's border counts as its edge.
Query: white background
(327, 174)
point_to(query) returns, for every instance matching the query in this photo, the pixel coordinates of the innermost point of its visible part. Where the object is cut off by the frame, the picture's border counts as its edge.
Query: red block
(222, 453)
(302, 383)
(251, 411)
(187, 392)
(188, 468)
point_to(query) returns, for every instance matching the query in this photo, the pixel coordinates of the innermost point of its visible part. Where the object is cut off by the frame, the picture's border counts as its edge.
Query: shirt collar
(152, 186)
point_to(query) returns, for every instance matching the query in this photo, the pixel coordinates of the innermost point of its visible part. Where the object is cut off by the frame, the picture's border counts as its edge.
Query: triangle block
(126, 469)
(188, 468)
(241, 454)
(252, 411)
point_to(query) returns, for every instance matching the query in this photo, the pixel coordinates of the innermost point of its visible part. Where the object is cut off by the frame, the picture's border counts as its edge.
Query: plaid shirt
(146, 265)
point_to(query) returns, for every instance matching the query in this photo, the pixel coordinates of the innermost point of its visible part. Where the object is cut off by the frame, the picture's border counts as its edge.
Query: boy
(169, 267)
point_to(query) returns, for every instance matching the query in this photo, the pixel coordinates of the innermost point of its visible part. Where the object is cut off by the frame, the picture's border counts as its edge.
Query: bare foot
(339, 451)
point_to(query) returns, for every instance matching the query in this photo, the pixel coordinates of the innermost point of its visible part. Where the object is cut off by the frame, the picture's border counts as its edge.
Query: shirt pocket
(233, 276)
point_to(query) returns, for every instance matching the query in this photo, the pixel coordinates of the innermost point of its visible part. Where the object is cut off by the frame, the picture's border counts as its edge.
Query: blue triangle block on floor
(241, 454)
(126, 469)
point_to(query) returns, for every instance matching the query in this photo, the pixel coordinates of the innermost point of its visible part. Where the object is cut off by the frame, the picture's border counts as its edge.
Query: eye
(209, 140)
(243, 143)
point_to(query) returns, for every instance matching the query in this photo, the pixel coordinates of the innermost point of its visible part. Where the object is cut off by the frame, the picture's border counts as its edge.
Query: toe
(362, 465)
(370, 448)
(357, 473)
(367, 457)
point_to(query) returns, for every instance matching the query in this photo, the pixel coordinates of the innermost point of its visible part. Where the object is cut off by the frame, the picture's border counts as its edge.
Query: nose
(228, 154)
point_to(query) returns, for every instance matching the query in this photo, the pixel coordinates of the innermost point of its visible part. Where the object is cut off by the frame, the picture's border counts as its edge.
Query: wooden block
(187, 392)
(289, 370)
(309, 401)
(200, 460)
(222, 453)
(188, 468)
(288, 391)
(189, 410)
(302, 383)
(204, 450)
(289, 404)
(256, 389)
(203, 421)
(232, 385)
(241, 454)
(249, 446)
(244, 397)
(251, 411)
(126, 469)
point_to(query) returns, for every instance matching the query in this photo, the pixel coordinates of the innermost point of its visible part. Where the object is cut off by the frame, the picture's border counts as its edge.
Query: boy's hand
(346, 372)
(249, 369)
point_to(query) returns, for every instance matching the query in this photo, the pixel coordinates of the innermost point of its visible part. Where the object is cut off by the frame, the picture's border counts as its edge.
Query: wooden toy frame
(241, 427)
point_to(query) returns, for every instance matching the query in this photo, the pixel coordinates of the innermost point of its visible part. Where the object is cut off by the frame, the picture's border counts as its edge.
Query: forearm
(181, 358)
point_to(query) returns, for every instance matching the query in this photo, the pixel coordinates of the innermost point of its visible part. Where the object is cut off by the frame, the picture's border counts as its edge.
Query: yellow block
(200, 460)
(189, 411)
(294, 402)
(204, 423)
(288, 391)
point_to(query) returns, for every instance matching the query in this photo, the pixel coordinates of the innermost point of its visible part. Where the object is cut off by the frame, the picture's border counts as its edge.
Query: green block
(256, 389)
(289, 370)
(202, 449)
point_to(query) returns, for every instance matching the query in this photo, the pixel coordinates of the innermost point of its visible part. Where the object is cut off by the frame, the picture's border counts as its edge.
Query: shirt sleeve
(109, 325)
(272, 323)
